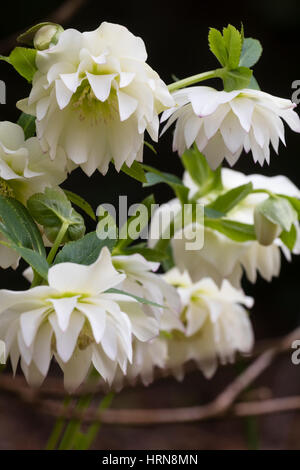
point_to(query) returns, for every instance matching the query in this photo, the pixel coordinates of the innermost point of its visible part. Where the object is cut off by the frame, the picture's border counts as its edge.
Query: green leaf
(289, 238)
(23, 61)
(51, 209)
(253, 84)
(84, 251)
(251, 52)
(150, 146)
(135, 171)
(27, 122)
(139, 299)
(34, 259)
(80, 202)
(19, 225)
(236, 79)
(125, 237)
(233, 43)
(293, 201)
(202, 175)
(231, 229)
(217, 46)
(279, 211)
(227, 201)
(151, 254)
(22, 234)
(155, 176)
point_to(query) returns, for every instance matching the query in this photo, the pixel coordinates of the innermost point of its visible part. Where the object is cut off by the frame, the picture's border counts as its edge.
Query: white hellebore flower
(76, 320)
(222, 123)
(94, 95)
(142, 280)
(220, 257)
(24, 170)
(216, 324)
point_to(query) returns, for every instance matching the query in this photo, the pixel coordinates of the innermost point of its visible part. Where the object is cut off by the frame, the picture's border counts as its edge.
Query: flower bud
(265, 230)
(47, 35)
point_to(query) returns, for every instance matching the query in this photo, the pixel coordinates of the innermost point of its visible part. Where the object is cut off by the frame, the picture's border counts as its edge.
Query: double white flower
(217, 326)
(222, 123)
(94, 95)
(76, 320)
(235, 256)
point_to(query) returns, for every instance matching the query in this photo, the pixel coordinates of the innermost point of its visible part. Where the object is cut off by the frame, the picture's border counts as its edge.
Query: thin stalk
(57, 429)
(85, 442)
(73, 427)
(57, 242)
(194, 79)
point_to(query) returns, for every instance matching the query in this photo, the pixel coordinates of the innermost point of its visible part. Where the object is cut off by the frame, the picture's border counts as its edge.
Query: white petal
(63, 308)
(66, 341)
(96, 317)
(76, 278)
(30, 322)
(101, 84)
(127, 105)
(243, 109)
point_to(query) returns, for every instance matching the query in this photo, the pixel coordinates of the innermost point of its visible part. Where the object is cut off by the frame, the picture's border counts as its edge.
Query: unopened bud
(265, 230)
(47, 35)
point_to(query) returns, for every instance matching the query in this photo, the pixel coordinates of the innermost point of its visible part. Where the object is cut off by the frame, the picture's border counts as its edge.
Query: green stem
(85, 442)
(57, 429)
(73, 427)
(57, 242)
(194, 79)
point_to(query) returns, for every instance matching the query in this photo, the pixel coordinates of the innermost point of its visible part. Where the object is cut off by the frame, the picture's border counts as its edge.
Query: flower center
(88, 105)
(5, 189)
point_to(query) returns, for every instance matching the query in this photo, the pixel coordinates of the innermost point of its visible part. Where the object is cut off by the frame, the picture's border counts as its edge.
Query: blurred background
(176, 41)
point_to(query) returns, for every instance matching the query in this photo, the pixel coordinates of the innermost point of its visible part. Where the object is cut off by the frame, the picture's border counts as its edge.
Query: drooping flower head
(94, 95)
(217, 325)
(223, 124)
(76, 320)
(221, 257)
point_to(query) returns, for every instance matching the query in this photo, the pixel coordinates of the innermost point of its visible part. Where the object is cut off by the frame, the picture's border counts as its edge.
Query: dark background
(176, 41)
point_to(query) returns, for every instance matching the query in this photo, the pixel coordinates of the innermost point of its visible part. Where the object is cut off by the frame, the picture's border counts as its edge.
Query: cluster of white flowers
(249, 256)
(93, 97)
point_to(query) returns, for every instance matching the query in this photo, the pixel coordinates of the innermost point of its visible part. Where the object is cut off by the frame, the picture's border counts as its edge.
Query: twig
(221, 405)
(61, 16)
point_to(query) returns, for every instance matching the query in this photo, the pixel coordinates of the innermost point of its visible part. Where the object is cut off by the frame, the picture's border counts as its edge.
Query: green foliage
(155, 176)
(289, 238)
(135, 297)
(27, 122)
(202, 175)
(151, 254)
(135, 171)
(81, 203)
(251, 52)
(227, 201)
(124, 235)
(236, 231)
(83, 251)
(23, 61)
(22, 234)
(51, 209)
(279, 211)
(236, 79)
(236, 54)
